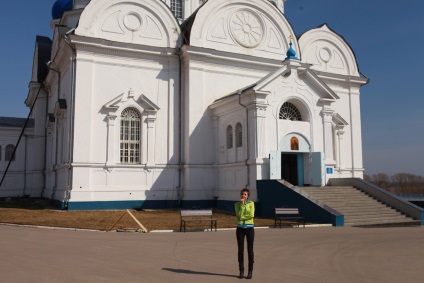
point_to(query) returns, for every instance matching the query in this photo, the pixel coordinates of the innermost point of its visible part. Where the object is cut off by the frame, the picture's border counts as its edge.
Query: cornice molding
(205, 55)
(119, 49)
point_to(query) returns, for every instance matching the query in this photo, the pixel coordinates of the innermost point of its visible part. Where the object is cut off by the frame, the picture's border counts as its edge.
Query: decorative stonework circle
(325, 54)
(132, 21)
(246, 28)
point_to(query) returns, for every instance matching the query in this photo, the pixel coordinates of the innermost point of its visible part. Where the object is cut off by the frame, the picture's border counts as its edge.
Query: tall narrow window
(239, 135)
(289, 112)
(229, 137)
(177, 8)
(130, 136)
(9, 152)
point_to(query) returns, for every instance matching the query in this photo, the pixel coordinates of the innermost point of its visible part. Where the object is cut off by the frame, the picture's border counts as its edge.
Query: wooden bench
(288, 214)
(199, 215)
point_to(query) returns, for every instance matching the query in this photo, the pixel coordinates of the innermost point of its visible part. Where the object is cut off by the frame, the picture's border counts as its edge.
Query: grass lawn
(40, 213)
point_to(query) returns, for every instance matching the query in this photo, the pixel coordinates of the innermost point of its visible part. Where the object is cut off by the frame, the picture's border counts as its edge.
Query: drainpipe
(71, 119)
(180, 116)
(180, 136)
(45, 147)
(56, 129)
(247, 139)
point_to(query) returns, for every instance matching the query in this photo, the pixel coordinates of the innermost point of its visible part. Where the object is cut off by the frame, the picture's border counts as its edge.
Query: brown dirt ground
(40, 213)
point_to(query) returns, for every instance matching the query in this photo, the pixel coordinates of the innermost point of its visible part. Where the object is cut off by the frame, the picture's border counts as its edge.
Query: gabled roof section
(289, 66)
(303, 71)
(234, 93)
(317, 82)
(122, 100)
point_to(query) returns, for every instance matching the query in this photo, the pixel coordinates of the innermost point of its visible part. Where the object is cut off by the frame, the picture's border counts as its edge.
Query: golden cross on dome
(290, 38)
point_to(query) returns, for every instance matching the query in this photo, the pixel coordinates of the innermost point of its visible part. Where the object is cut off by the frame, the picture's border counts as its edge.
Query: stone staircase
(357, 207)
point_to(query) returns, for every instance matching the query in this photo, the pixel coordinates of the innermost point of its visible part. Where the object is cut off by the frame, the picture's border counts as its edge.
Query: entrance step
(357, 207)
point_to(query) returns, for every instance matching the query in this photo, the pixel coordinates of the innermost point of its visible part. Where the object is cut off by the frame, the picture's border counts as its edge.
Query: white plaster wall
(209, 79)
(13, 184)
(99, 175)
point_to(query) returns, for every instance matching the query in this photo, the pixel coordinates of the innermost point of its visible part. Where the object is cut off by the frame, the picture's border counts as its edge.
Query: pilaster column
(215, 124)
(110, 154)
(339, 148)
(257, 131)
(151, 140)
(328, 135)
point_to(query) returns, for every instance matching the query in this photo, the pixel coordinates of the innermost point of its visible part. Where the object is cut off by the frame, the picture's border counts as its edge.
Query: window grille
(229, 137)
(130, 136)
(9, 152)
(289, 112)
(177, 8)
(239, 135)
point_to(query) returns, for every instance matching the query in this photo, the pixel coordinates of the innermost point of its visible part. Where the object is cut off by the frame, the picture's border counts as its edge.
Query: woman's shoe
(249, 275)
(241, 276)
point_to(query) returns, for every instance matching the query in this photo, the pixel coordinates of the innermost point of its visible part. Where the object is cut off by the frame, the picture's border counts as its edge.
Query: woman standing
(245, 211)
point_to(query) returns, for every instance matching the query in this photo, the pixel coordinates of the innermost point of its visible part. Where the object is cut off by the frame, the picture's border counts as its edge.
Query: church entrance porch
(292, 168)
(298, 168)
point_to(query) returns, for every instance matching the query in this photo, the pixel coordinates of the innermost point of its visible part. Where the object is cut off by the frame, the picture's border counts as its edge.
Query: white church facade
(159, 104)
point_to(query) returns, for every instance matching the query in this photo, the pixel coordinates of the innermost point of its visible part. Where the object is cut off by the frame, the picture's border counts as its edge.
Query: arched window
(130, 136)
(289, 112)
(229, 136)
(294, 143)
(239, 135)
(9, 152)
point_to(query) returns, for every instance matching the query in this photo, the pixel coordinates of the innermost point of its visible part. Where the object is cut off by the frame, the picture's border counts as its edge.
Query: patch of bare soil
(41, 213)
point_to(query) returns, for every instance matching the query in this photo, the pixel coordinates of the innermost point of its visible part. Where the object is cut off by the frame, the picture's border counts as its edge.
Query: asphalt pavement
(319, 254)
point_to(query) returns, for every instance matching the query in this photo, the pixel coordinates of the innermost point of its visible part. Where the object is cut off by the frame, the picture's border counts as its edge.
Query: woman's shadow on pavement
(196, 272)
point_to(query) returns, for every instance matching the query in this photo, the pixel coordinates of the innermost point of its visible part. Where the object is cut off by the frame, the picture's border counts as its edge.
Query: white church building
(172, 103)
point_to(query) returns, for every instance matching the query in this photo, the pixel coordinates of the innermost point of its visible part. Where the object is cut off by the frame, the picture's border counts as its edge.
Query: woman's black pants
(249, 233)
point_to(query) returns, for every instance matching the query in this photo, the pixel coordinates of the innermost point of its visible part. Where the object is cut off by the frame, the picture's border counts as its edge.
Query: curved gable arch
(253, 27)
(140, 22)
(301, 105)
(327, 51)
(303, 144)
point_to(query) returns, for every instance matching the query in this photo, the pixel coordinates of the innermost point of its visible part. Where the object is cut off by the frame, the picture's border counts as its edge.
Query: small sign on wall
(329, 170)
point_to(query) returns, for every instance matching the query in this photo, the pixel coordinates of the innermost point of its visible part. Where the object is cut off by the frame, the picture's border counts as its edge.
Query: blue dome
(61, 6)
(291, 54)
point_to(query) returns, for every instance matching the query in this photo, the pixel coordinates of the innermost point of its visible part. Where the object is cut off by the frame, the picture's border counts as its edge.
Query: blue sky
(386, 36)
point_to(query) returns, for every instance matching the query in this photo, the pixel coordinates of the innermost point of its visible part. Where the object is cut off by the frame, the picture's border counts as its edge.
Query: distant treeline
(400, 183)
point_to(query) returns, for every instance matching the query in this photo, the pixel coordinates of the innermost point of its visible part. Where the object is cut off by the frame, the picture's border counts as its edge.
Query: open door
(317, 169)
(290, 168)
(275, 165)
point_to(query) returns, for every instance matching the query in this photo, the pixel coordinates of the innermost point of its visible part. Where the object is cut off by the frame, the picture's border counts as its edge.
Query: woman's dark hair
(245, 190)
